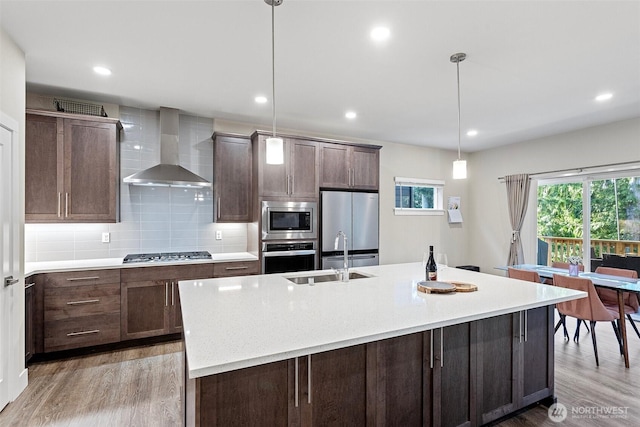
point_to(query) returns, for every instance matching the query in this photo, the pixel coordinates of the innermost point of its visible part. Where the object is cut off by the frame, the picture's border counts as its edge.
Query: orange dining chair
(565, 266)
(609, 297)
(589, 308)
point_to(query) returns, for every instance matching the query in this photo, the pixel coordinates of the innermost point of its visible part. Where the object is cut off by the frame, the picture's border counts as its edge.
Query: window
(416, 196)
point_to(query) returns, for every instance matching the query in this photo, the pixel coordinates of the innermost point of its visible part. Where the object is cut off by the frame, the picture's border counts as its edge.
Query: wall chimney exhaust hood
(168, 172)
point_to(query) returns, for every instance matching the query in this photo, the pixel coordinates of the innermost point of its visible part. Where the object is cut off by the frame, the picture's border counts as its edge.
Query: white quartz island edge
(238, 322)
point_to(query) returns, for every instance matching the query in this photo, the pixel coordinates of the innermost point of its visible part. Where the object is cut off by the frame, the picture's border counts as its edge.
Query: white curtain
(517, 198)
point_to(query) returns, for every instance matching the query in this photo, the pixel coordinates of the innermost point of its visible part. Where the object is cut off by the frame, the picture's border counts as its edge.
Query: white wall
(12, 103)
(488, 216)
(405, 238)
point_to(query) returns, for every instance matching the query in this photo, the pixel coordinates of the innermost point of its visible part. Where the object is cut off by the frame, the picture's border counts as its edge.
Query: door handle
(9, 280)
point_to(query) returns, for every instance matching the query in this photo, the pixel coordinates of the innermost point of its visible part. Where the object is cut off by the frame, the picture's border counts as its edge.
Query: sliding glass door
(598, 213)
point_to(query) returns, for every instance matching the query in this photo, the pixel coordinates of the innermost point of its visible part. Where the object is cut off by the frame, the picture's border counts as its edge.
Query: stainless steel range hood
(168, 172)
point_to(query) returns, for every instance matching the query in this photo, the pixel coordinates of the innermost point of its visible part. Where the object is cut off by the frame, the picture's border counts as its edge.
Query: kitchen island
(370, 351)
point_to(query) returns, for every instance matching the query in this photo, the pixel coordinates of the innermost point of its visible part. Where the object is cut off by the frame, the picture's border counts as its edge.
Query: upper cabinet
(232, 186)
(349, 166)
(296, 178)
(71, 167)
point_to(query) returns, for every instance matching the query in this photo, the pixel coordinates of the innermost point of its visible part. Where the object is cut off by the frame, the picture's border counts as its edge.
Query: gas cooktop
(166, 257)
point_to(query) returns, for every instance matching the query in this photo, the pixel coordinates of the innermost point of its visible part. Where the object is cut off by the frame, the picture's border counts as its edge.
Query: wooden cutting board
(463, 286)
(436, 287)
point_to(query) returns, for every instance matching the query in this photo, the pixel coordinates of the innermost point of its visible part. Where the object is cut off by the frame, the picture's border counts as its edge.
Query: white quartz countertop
(237, 322)
(106, 263)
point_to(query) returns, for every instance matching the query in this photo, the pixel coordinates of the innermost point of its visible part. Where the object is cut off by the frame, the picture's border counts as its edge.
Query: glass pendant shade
(275, 151)
(460, 169)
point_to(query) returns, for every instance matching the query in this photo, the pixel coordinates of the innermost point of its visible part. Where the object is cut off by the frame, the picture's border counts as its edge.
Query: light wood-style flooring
(142, 387)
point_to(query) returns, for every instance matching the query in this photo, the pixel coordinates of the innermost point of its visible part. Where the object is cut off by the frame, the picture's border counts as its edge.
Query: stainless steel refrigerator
(356, 214)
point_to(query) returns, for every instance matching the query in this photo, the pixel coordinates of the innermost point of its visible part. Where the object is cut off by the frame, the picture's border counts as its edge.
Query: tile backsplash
(152, 219)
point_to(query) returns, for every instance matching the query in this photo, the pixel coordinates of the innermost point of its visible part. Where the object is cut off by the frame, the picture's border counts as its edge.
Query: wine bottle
(431, 268)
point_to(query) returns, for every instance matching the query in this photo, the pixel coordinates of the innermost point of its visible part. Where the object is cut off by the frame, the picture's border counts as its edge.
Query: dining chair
(609, 297)
(533, 276)
(590, 308)
(565, 266)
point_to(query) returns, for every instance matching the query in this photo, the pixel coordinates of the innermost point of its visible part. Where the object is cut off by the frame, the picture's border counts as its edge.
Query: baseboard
(21, 384)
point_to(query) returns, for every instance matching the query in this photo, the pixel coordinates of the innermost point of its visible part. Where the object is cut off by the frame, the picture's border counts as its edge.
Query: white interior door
(13, 375)
(5, 252)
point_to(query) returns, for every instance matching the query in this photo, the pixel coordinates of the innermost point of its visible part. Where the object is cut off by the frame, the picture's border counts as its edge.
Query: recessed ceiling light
(604, 97)
(380, 33)
(472, 132)
(261, 99)
(103, 71)
(350, 115)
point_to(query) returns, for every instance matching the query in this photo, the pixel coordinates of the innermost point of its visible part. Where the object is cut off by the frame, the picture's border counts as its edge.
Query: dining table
(617, 283)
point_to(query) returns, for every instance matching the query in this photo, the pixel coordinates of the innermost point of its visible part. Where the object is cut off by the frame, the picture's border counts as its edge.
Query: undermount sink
(332, 277)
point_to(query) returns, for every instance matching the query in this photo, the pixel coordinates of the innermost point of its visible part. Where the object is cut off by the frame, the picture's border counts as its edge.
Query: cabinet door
(303, 169)
(454, 376)
(232, 182)
(334, 387)
(273, 179)
(536, 373)
(365, 168)
(262, 395)
(144, 309)
(43, 168)
(90, 174)
(496, 366)
(29, 318)
(399, 380)
(334, 166)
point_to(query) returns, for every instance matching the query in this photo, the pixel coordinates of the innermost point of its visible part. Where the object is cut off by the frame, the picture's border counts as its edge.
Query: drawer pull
(73, 279)
(89, 301)
(237, 268)
(28, 285)
(75, 334)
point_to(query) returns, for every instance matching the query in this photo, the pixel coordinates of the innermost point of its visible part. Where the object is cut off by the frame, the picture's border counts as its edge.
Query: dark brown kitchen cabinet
(232, 184)
(535, 355)
(71, 167)
(150, 301)
(81, 309)
(452, 367)
(349, 166)
(296, 178)
(30, 322)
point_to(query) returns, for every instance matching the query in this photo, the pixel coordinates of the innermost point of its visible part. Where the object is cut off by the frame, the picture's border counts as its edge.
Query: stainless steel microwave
(289, 220)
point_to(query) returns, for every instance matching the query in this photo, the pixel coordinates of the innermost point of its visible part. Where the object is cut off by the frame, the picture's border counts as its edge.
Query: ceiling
(533, 68)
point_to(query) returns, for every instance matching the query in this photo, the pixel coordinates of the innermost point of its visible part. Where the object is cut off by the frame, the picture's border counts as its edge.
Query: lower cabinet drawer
(81, 332)
(62, 303)
(236, 268)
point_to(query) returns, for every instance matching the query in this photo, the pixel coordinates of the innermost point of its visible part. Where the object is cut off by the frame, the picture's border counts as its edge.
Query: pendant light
(459, 166)
(275, 146)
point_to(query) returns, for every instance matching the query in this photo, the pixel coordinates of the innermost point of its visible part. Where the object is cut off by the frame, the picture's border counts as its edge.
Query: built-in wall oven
(285, 257)
(289, 220)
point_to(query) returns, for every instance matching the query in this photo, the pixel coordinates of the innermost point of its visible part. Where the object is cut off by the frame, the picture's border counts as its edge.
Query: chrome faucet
(345, 269)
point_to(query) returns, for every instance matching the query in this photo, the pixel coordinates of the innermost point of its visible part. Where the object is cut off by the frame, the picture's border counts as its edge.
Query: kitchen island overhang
(234, 323)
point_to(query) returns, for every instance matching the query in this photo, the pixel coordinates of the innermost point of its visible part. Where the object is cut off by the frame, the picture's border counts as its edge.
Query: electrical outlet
(106, 237)
(218, 235)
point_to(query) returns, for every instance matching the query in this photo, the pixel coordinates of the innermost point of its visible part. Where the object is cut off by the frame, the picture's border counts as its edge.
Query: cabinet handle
(520, 327)
(288, 186)
(296, 382)
(526, 326)
(431, 347)
(237, 268)
(309, 379)
(66, 205)
(218, 210)
(73, 279)
(166, 294)
(173, 291)
(28, 285)
(441, 348)
(89, 301)
(59, 203)
(293, 185)
(75, 334)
